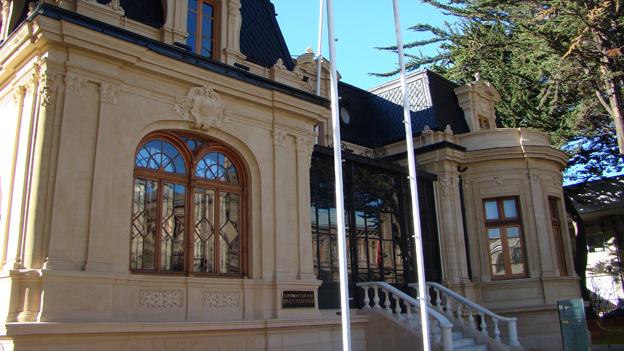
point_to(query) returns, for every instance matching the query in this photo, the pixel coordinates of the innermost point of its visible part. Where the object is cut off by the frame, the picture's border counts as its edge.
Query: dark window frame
(557, 233)
(502, 223)
(214, 41)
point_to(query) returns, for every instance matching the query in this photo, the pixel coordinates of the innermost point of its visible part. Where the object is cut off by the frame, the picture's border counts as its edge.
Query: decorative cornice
(203, 107)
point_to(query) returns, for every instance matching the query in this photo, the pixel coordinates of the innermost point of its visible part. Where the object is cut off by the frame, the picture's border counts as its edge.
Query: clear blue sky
(360, 25)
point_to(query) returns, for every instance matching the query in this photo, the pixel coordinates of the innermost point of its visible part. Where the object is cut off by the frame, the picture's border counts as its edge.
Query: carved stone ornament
(426, 130)
(114, 5)
(445, 182)
(448, 130)
(279, 137)
(47, 87)
(305, 144)
(160, 298)
(109, 93)
(221, 299)
(279, 65)
(75, 84)
(203, 107)
(498, 179)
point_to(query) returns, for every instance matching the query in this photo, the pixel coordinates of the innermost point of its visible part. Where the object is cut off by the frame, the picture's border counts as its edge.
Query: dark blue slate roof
(149, 12)
(377, 121)
(261, 39)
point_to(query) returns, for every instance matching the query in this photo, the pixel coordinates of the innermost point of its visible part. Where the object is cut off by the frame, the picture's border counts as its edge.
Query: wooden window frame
(502, 223)
(190, 182)
(557, 233)
(216, 11)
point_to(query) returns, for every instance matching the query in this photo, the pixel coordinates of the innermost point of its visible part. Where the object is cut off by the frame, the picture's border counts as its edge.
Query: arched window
(188, 207)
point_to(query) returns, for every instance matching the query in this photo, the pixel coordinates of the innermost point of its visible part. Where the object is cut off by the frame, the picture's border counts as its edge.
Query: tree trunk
(612, 89)
(580, 253)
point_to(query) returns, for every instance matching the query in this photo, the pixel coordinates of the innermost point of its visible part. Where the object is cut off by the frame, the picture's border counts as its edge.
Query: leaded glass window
(186, 221)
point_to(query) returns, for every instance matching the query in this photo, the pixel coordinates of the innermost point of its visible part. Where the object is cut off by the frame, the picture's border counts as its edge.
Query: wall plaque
(297, 299)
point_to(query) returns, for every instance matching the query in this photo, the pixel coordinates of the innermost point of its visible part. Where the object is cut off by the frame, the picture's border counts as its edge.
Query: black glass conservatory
(378, 224)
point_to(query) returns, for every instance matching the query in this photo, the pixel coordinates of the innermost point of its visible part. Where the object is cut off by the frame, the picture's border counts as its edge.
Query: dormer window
(201, 27)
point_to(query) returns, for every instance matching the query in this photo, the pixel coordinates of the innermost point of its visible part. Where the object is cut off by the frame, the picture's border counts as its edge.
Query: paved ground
(607, 347)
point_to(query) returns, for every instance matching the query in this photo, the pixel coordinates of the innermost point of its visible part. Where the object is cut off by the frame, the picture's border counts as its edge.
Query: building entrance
(378, 225)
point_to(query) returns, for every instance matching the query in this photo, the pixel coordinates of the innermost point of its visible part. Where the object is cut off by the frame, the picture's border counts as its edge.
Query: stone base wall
(539, 330)
(320, 334)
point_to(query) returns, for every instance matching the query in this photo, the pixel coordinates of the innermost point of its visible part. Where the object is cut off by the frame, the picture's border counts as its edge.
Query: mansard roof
(149, 12)
(261, 38)
(377, 118)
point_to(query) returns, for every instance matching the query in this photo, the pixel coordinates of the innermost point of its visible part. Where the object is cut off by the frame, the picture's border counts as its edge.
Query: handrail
(471, 305)
(467, 301)
(445, 326)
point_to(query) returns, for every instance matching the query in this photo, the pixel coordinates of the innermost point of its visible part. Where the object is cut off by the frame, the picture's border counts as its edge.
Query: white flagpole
(319, 49)
(409, 144)
(340, 213)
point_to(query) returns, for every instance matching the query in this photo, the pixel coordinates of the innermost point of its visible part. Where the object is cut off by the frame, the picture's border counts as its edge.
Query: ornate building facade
(165, 186)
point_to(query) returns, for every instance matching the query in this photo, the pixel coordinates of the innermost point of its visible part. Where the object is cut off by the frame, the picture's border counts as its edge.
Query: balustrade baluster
(397, 306)
(459, 313)
(496, 330)
(366, 297)
(448, 307)
(483, 325)
(408, 312)
(376, 299)
(471, 320)
(387, 301)
(438, 299)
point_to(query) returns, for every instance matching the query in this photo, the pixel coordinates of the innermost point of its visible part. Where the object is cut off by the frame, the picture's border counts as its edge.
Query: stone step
(471, 348)
(464, 342)
(457, 335)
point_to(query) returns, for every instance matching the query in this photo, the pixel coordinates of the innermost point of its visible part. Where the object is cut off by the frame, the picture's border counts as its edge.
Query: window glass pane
(160, 155)
(206, 49)
(496, 257)
(217, 167)
(516, 255)
(203, 230)
(191, 26)
(206, 28)
(144, 211)
(229, 232)
(192, 5)
(207, 10)
(513, 232)
(494, 233)
(510, 208)
(172, 228)
(491, 210)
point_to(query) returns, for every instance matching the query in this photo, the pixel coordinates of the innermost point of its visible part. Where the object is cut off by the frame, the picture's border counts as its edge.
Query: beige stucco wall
(92, 101)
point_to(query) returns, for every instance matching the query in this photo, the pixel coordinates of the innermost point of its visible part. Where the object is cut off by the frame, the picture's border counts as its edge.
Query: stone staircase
(455, 323)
